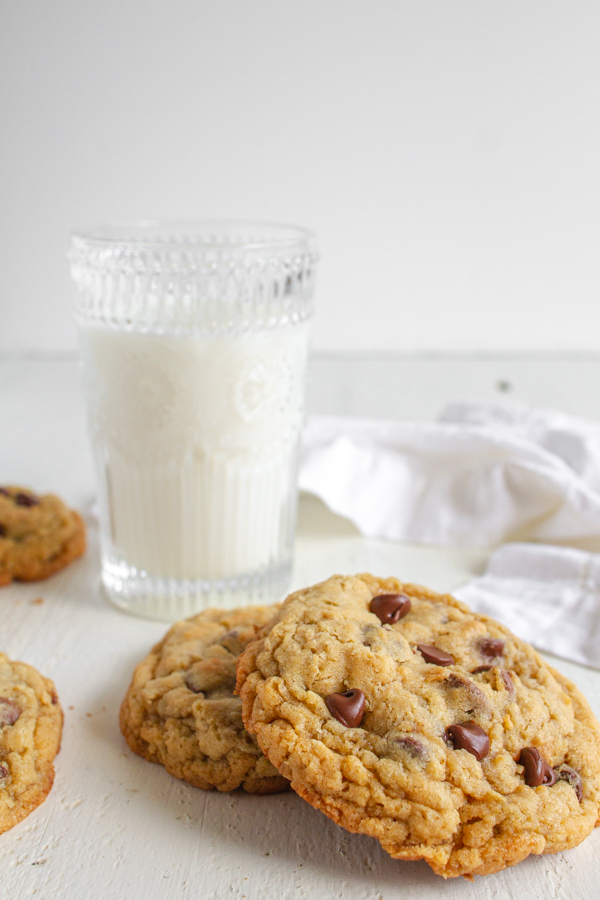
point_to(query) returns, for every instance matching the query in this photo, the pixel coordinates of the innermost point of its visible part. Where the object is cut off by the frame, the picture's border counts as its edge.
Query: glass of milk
(194, 340)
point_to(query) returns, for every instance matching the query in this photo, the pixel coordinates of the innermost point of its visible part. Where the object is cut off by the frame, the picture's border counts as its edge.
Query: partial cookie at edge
(30, 733)
(39, 535)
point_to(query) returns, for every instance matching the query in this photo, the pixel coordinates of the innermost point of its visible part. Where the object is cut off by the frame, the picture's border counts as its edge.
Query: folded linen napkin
(481, 475)
(549, 596)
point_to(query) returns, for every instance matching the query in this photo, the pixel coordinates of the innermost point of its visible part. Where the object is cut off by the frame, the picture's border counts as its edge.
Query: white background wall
(446, 152)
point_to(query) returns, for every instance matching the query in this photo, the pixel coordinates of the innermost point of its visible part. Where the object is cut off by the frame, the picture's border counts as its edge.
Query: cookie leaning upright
(30, 731)
(426, 726)
(38, 535)
(180, 709)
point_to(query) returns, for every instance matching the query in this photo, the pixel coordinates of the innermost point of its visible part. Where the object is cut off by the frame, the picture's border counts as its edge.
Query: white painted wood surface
(119, 828)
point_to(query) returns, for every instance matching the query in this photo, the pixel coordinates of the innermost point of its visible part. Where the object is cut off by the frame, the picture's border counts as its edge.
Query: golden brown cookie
(38, 535)
(403, 715)
(30, 730)
(180, 709)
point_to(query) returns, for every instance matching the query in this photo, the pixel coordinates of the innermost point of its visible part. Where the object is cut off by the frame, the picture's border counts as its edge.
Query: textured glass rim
(199, 234)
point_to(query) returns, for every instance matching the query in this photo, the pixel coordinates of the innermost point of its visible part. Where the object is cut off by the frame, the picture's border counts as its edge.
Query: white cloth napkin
(479, 476)
(549, 596)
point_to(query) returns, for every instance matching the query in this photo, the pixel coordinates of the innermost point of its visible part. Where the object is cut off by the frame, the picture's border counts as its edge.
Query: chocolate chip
(228, 635)
(537, 770)
(348, 708)
(9, 712)
(389, 608)
(193, 683)
(566, 773)
(412, 747)
(432, 655)
(499, 679)
(2, 530)
(508, 682)
(490, 648)
(233, 641)
(3, 770)
(211, 677)
(22, 499)
(465, 694)
(4, 492)
(470, 737)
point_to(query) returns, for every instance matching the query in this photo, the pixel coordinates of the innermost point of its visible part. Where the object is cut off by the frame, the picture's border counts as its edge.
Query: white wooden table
(116, 827)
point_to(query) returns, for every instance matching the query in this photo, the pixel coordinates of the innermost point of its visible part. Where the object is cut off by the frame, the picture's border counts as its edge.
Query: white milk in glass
(196, 442)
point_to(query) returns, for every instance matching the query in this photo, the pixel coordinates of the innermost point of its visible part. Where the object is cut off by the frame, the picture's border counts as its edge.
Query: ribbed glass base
(169, 599)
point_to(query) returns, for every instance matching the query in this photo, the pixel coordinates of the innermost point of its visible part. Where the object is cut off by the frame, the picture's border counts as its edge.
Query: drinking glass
(194, 339)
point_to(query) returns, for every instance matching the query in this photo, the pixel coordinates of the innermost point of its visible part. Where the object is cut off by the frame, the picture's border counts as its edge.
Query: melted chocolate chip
(211, 678)
(470, 737)
(389, 608)
(22, 499)
(9, 712)
(566, 773)
(2, 530)
(490, 648)
(233, 641)
(4, 492)
(508, 682)
(432, 655)
(481, 669)
(3, 770)
(348, 708)
(412, 747)
(465, 693)
(537, 770)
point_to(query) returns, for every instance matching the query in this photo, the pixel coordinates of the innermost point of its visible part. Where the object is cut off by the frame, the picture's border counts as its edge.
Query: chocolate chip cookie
(402, 715)
(38, 535)
(180, 709)
(30, 730)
